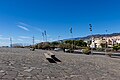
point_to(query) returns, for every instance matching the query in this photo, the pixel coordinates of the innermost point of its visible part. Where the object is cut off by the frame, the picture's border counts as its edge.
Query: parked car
(69, 50)
(78, 51)
(58, 49)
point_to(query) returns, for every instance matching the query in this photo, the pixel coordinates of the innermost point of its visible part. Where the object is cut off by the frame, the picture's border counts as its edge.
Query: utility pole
(11, 42)
(33, 41)
(91, 37)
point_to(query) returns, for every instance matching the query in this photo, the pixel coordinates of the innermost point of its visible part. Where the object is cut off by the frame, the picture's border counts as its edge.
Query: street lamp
(106, 42)
(71, 31)
(90, 27)
(91, 36)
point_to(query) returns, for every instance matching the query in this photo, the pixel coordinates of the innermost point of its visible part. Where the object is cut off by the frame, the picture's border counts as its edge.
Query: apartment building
(109, 41)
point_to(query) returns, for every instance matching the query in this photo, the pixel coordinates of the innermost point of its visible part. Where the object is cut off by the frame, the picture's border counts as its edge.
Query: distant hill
(96, 35)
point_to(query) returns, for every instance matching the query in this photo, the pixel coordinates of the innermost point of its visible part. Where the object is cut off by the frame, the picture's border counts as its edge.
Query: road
(23, 64)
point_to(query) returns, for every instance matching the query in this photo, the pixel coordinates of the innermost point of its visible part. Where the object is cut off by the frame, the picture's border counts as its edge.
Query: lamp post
(106, 43)
(71, 31)
(91, 38)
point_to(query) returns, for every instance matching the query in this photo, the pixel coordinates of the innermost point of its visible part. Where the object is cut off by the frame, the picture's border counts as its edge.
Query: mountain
(96, 35)
(101, 35)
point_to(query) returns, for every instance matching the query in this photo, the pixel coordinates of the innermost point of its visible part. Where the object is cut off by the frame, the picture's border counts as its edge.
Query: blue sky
(21, 19)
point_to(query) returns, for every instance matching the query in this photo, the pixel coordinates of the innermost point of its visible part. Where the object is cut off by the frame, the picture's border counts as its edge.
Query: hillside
(96, 35)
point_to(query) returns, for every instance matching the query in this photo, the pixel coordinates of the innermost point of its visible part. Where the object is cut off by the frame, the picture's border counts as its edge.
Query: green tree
(54, 44)
(80, 43)
(68, 42)
(116, 48)
(75, 43)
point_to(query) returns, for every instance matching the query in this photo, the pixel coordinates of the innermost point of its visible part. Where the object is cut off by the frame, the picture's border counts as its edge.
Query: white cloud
(35, 28)
(1, 38)
(24, 37)
(24, 24)
(24, 28)
(20, 39)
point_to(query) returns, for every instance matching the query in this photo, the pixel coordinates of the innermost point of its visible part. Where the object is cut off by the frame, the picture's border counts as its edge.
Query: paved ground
(23, 64)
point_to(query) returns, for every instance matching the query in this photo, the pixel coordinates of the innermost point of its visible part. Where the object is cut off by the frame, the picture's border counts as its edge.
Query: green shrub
(100, 49)
(86, 51)
(116, 48)
(46, 46)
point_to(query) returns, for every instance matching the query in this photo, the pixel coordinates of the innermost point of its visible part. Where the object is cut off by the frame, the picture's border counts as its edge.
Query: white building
(96, 42)
(110, 41)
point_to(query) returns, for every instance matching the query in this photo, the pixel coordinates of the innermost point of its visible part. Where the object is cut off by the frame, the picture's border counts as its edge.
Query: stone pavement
(23, 64)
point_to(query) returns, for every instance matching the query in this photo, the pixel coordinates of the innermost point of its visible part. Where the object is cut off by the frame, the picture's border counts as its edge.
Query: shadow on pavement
(51, 60)
(56, 59)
